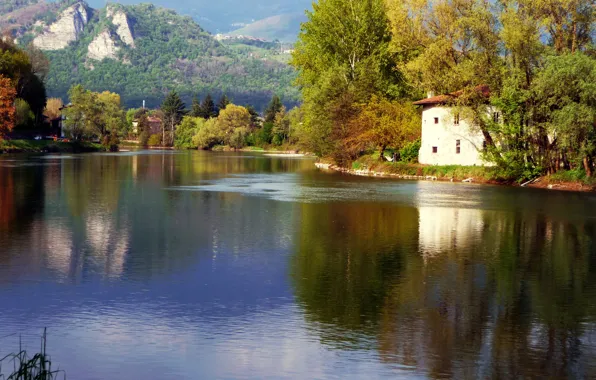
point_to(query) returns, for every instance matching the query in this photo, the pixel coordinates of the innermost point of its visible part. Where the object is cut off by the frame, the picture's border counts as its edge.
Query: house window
(457, 146)
(496, 117)
(436, 120)
(456, 119)
(435, 149)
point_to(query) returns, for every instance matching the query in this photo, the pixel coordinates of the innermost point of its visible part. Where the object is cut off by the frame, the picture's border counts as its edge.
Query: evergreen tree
(173, 111)
(274, 107)
(223, 103)
(195, 110)
(254, 116)
(208, 109)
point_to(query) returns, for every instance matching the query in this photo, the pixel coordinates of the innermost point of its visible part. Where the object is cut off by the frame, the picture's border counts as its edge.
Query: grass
(37, 367)
(38, 146)
(455, 172)
(575, 175)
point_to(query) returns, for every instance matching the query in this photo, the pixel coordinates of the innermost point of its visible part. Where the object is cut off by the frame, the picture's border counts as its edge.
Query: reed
(24, 367)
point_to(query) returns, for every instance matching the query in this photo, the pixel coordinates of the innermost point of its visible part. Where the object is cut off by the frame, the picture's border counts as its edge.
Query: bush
(409, 153)
(154, 140)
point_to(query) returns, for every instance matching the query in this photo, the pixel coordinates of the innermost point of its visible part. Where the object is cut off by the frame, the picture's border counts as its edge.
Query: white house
(447, 139)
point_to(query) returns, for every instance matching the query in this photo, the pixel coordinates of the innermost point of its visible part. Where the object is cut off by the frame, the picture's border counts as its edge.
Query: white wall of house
(441, 137)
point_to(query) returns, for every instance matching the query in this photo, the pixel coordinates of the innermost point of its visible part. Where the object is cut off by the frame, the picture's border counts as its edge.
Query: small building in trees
(447, 137)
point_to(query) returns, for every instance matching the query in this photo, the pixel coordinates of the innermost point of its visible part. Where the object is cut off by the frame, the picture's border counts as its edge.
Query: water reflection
(167, 264)
(457, 293)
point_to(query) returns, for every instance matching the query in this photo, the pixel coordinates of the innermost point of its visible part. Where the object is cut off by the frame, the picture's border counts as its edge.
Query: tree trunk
(587, 166)
(382, 155)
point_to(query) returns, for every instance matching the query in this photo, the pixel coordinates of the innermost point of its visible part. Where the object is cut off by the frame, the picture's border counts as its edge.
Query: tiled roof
(442, 99)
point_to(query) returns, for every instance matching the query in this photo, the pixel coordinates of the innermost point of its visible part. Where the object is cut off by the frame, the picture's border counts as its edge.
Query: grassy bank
(370, 165)
(48, 146)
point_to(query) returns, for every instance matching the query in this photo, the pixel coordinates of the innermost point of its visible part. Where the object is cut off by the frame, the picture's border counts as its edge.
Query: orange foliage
(7, 108)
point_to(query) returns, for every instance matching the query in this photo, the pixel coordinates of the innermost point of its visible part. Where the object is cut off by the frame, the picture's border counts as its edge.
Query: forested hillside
(166, 52)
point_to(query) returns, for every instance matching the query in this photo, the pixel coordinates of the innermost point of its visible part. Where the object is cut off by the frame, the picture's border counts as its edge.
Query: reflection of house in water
(447, 229)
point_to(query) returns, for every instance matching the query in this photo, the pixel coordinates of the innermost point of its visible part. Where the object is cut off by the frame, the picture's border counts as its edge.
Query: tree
(254, 116)
(382, 123)
(274, 107)
(24, 118)
(569, 111)
(173, 111)
(208, 109)
(231, 118)
(7, 110)
(53, 106)
(343, 58)
(195, 109)
(222, 103)
(208, 135)
(185, 132)
(281, 127)
(113, 117)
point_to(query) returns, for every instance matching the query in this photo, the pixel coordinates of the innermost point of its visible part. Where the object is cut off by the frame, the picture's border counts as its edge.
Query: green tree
(343, 58)
(222, 103)
(208, 109)
(173, 111)
(195, 110)
(185, 132)
(274, 107)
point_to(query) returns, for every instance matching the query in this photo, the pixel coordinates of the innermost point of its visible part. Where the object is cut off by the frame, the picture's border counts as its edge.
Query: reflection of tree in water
(21, 200)
(347, 258)
(480, 294)
(509, 302)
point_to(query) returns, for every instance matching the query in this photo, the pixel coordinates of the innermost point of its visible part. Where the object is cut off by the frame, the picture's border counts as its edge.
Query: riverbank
(370, 166)
(48, 146)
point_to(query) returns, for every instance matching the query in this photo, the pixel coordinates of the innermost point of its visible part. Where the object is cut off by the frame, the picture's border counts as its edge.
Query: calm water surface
(160, 265)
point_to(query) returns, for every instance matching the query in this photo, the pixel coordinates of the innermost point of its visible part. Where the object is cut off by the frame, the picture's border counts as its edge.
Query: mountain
(143, 51)
(283, 27)
(224, 16)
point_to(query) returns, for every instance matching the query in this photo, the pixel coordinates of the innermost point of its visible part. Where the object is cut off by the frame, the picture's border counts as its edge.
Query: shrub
(154, 140)
(409, 153)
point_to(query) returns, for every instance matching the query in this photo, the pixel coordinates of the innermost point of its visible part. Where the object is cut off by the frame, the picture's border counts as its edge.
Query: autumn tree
(53, 106)
(382, 123)
(7, 109)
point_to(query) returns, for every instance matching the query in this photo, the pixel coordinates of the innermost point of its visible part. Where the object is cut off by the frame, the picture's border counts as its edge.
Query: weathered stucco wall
(440, 131)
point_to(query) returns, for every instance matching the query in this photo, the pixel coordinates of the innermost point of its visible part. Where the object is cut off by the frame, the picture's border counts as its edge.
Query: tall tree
(7, 109)
(195, 109)
(222, 103)
(342, 56)
(208, 109)
(274, 107)
(173, 111)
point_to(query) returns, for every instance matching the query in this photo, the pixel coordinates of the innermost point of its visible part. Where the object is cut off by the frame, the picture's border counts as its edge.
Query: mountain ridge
(144, 51)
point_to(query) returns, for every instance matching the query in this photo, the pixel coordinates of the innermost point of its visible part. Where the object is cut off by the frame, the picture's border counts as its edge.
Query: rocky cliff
(68, 27)
(120, 21)
(103, 46)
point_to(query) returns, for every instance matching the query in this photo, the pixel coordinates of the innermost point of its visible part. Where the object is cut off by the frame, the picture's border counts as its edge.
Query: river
(188, 265)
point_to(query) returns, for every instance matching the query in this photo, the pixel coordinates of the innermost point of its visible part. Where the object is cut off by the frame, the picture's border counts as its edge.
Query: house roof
(482, 90)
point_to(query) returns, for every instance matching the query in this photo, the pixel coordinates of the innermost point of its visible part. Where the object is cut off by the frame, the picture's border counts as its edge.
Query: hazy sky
(222, 14)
